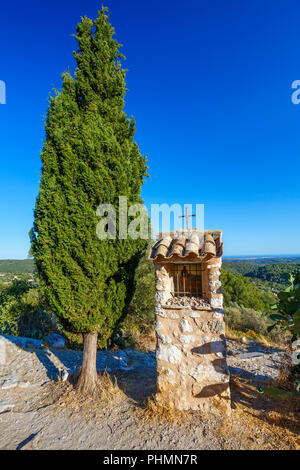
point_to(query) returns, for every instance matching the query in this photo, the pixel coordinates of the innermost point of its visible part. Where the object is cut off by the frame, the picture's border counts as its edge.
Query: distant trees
(242, 291)
(274, 272)
(279, 273)
(17, 266)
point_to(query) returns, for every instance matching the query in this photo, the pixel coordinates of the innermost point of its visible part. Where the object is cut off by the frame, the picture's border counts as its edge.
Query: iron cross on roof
(186, 217)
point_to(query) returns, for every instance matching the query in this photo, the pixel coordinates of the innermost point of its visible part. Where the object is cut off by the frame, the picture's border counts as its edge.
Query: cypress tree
(89, 157)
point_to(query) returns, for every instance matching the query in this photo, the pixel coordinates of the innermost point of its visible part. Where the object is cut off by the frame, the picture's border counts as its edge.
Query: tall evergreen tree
(89, 157)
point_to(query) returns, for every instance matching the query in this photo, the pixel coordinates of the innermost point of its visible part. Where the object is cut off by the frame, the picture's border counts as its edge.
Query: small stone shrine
(192, 373)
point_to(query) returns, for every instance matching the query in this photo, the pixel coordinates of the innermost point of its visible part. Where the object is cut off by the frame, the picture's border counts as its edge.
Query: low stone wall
(191, 349)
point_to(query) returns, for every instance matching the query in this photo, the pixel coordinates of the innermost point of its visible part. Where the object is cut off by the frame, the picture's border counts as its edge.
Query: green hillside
(16, 266)
(277, 273)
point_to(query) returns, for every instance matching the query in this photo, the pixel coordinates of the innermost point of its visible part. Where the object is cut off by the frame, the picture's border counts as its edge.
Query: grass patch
(62, 395)
(154, 412)
(266, 341)
(260, 422)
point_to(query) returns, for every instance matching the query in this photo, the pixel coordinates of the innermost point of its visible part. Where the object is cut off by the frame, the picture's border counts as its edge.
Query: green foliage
(89, 158)
(287, 318)
(244, 319)
(288, 308)
(275, 272)
(142, 306)
(278, 273)
(17, 266)
(10, 301)
(242, 291)
(238, 267)
(279, 393)
(8, 316)
(23, 311)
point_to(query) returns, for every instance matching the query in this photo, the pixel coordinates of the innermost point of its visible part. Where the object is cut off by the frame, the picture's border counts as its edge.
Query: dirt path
(34, 417)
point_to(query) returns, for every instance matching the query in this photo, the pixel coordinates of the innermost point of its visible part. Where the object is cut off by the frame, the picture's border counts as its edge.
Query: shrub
(244, 319)
(142, 306)
(23, 311)
(253, 323)
(288, 308)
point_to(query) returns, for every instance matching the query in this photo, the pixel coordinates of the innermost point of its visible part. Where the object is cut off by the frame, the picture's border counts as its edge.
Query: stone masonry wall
(191, 349)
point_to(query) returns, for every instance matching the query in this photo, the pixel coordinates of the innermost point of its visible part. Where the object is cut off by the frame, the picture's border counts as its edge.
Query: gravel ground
(28, 420)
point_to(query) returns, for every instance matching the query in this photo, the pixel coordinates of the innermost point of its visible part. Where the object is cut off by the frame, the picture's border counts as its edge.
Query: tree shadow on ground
(26, 441)
(33, 347)
(245, 397)
(53, 373)
(138, 384)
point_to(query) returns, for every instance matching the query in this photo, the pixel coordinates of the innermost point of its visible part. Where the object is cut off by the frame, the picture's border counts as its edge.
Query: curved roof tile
(189, 245)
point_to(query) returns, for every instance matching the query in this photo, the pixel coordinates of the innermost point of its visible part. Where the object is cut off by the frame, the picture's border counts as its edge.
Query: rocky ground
(30, 376)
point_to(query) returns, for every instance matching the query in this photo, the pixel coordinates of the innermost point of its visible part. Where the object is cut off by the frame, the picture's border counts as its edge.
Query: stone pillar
(215, 288)
(192, 373)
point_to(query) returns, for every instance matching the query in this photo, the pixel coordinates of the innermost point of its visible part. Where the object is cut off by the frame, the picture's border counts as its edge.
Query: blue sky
(210, 88)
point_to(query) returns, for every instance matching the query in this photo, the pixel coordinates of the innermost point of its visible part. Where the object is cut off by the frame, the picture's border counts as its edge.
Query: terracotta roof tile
(190, 245)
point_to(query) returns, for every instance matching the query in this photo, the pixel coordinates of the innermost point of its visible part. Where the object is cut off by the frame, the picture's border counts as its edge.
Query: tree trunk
(88, 379)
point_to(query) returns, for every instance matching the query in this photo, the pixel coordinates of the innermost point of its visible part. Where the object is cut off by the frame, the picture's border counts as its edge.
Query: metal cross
(186, 217)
